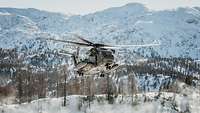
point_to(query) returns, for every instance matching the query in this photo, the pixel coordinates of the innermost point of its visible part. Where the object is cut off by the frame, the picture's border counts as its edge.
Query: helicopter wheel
(80, 73)
(102, 75)
(108, 66)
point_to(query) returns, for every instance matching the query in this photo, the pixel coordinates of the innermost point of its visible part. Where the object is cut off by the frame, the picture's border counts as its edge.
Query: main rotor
(87, 43)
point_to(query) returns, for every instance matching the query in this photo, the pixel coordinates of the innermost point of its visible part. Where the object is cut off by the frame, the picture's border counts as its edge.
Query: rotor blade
(90, 43)
(155, 43)
(65, 52)
(66, 41)
(128, 46)
(101, 45)
(84, 40)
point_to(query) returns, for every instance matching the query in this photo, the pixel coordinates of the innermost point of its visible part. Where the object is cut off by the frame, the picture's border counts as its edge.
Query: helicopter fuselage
(100, 60)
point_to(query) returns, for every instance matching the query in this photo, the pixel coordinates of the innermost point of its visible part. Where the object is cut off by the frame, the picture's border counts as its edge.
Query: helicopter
(100, 56)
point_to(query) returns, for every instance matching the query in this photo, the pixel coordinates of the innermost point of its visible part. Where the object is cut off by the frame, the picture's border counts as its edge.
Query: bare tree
(65, 84)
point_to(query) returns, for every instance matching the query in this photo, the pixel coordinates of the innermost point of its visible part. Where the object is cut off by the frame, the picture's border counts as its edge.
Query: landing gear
(102, 75)
(80, 73)
(114, 66)
(111, 66)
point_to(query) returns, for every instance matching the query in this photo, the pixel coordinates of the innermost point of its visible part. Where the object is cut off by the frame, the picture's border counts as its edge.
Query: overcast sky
(90, 6)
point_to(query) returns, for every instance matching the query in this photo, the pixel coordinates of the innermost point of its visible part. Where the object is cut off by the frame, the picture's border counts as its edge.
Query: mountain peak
(135, 5)
(131, 7)
(130, 24)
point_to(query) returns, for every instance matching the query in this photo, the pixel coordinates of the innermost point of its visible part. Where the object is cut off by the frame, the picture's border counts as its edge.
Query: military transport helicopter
(100, 56)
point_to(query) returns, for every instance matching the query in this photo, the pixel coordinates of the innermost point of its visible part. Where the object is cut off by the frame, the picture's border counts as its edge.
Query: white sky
(90, 6)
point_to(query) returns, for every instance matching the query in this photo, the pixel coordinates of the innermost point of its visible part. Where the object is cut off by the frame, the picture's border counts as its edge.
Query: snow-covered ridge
(1, 13)
(178, 30)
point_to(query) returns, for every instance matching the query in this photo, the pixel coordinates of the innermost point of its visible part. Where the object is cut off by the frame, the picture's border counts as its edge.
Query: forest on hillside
(28, 82)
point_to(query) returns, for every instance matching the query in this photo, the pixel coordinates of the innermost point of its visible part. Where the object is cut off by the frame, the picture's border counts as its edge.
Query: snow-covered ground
(186, 101)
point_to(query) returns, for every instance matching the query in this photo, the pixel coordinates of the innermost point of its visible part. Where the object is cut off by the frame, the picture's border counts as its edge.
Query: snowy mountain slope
(178, 30)
(15, 28)
(46, 21)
